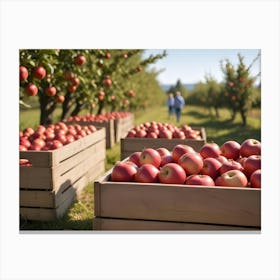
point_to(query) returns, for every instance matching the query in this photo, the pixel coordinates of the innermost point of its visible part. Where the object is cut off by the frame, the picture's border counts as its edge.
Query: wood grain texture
(145, 225)
(179, 203)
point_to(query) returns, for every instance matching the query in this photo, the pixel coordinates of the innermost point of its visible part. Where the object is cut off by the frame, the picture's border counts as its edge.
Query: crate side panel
(145, 225)
(230, 206)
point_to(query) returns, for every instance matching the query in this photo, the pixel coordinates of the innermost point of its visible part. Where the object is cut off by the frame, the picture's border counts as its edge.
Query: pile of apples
(99, 118)
(231, 165)
(163, 130)
(52, 136)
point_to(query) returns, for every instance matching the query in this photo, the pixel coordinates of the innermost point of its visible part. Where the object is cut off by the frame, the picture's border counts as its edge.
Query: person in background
(179, 103)
(170, 104)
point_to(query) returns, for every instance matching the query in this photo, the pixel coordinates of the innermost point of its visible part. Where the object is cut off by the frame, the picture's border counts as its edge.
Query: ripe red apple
(150, 156)
(179, 150)
(75, 81)
(210, 150)
(230, 149)
(28, 131)
(23, 73)
(166, 159)
(250, 147)
(123, 172)
(141, 133)
(200, 180)
(179, 134)
(60, 99)
(221, 159)
(232, 178)
(31, 89)
(172, 173)
(251, 164)
(80, 60)
(231, 165)
(152, 135)
(135, 158)
(56, 144)
(108, 55)
(147, 173)
(108, 82)
(50, 91)
(22, 148)
(165, 133)
(163, 151)
(39, 72)
(39, 142)
(131, 134)
(211, 167)
(191, 162)
(68, 75)
(24, 142)
(255, 179)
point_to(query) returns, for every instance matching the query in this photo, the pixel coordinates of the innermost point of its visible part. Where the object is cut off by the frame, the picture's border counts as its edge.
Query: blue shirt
(179, 101)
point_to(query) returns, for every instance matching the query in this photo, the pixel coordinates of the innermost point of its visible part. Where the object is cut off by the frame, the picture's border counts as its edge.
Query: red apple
(151, 135)
(179, 134)
(210, 150)
(60, 99)
(150, 156)
(56, 144)
(172, 173)
(141, 133)
(200, 180)
(230, 149)
(166, 159)
(163, 151)
(123, 172)
(232, 178)
(39, 142)
(135, 158)
(80, 60)
(147, 173)
(131, 134)
(24, 142)
(211, 167)
(231, 165)
(251, 164)
(255, 179)
(179, 150)
(50, 91)
(191, 162)
(22, 148)
(39, 72)
(31, 89)
(250, 147)
(221, 159)
(23, 73)
(165, 133)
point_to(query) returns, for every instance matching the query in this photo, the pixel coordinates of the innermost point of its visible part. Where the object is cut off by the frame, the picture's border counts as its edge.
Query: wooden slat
(180, 203)
(54, 157)
(59, 177)
(125, 225)
(131, 145)
(64, 201)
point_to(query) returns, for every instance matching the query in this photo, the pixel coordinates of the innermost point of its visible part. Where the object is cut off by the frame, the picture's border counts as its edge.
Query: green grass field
(81, 214)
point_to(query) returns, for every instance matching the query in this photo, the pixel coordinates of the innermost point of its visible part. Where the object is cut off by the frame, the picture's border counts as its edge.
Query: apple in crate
(135, 158)
(255, 179)
(123, 172)
(191, 162)
(230, 150)
(250, 147)
(172, 173)
(150, 156)
(200, 180)
(211, 167)
(179, 150)
(163, 151)
(210, 150)
(232, 178)
(147, 173)
(231, 165)
(251, 164)
(166, 159)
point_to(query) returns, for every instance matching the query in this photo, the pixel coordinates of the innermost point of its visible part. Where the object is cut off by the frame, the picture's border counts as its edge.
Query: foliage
(95, 80)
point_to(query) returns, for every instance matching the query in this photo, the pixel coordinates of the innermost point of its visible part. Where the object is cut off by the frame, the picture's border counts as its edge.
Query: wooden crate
(48, 187)
(109, 130)
(122, 126)
(131, 145)
(129, 224)
(222, 206)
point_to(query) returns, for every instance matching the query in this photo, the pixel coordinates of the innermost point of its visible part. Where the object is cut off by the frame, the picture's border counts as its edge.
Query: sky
(191, 65)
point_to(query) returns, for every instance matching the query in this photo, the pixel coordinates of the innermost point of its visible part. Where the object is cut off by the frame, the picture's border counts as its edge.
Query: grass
(80, 215)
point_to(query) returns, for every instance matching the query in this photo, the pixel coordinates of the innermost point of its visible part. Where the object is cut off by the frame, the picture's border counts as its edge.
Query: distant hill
(166, 87)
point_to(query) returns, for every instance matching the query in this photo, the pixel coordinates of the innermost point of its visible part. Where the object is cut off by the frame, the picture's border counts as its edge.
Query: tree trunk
(244, 117)
(47, 106)
(217, 112)
(77, 109)
(233, 115)
(66, 106)
(100, 107)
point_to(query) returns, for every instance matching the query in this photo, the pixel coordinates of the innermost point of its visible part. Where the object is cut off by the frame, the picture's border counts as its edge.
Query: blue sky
(190, 66)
